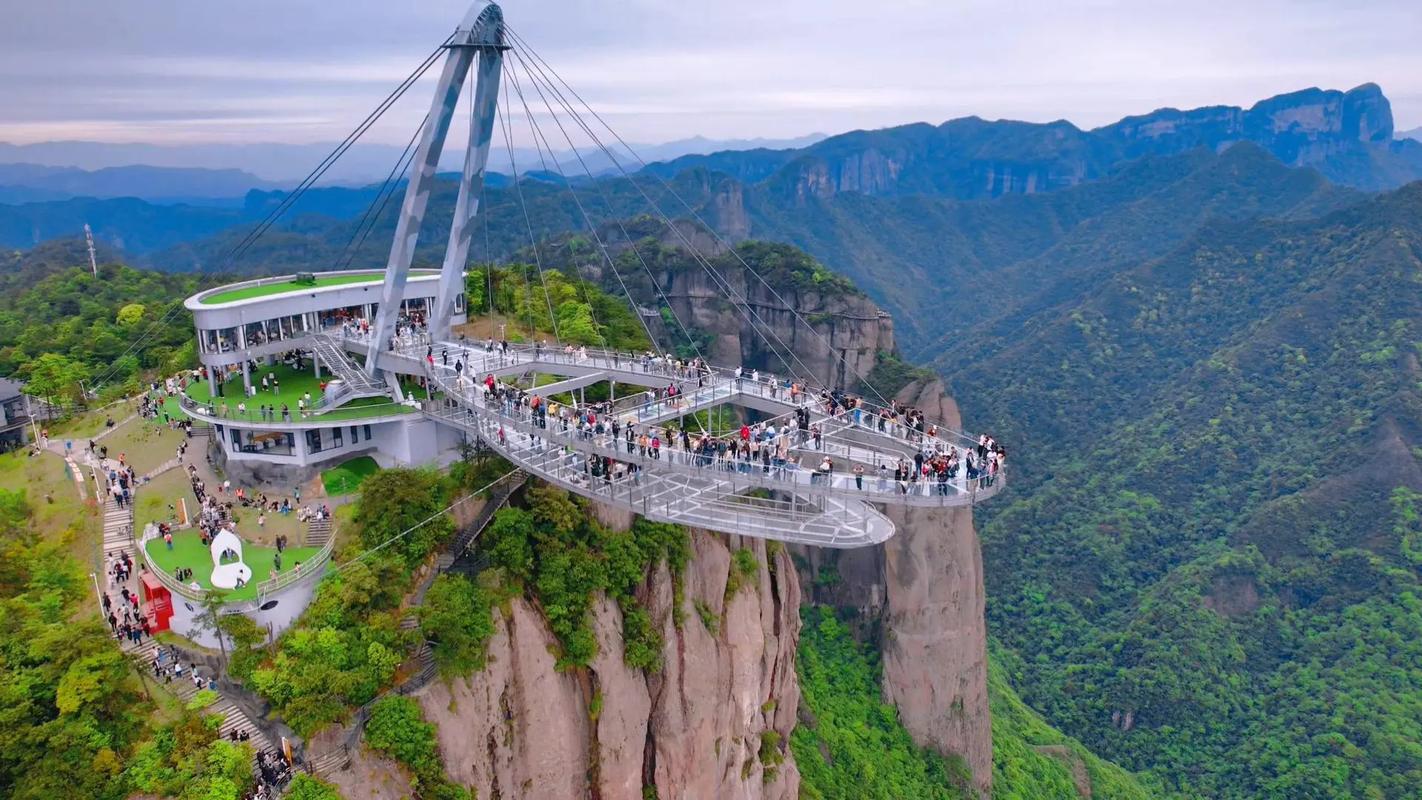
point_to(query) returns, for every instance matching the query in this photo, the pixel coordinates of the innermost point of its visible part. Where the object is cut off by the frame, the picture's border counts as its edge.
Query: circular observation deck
(784, 494)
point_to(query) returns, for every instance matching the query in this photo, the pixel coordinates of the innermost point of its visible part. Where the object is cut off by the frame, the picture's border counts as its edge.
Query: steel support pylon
(481, 35)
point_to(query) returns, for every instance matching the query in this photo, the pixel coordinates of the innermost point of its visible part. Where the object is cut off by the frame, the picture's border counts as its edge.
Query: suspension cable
(371, 215)
(612, 213)
(506, 127)
(744, 306)
(540, 142)
(709, 229)
(611, 265)
(587, 219)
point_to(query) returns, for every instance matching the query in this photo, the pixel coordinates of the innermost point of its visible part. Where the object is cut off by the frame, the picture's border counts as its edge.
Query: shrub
(305, 787)
(456, 617)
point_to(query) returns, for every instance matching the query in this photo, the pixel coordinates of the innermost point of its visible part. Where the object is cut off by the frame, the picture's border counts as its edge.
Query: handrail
(208, 412)
(649, 364)
(964, 490)
(312, 566)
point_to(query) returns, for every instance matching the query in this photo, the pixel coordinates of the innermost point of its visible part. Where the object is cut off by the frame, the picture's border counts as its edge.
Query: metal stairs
(354, 380)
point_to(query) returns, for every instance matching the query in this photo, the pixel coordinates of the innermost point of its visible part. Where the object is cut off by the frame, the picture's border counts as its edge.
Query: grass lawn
(189, 551)
(345, 478)
(294, 385)
(323, 280)
(50, 491)
(157, 500)
(281, 287)
(82, 427)
(145, 444)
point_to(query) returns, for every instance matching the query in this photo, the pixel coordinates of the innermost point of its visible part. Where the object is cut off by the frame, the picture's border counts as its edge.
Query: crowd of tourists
(127, 621)
(929, 464)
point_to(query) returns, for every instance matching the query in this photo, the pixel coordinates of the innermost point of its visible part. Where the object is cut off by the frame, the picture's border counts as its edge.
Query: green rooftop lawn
(284, 286)
(189, 551)
(293, 386)
(287, 285)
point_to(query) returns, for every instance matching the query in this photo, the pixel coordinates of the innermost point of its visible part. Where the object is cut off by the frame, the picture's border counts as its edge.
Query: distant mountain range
(1347, 136)
(816, 196)
(274, 165)
(24, 183)
(1415, 133)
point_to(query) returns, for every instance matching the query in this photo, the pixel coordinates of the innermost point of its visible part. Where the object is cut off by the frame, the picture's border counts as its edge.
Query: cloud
(306, 71)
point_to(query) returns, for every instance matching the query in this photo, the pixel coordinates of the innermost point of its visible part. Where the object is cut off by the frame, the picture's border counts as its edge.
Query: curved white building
(300, 419)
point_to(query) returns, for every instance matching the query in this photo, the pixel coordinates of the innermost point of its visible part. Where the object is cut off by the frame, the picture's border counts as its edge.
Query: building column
(211, 381)
(246, 377)
(301, 452)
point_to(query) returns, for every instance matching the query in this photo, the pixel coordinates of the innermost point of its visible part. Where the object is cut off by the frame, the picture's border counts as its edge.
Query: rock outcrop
(846, 323)
(714, 721)
(921, 595)
(1300, 128)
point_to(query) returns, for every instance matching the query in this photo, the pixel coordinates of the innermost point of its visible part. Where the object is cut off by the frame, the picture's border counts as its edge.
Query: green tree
(305, 787)
(404, 503)
(130, 315)
(456, 617)
(55, 378)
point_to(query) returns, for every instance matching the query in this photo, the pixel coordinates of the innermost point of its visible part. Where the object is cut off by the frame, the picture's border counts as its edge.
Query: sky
(306, 71)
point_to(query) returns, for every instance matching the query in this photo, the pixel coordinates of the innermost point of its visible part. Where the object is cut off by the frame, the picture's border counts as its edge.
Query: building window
(336, 438)
(291, 441)
(236, 439)
(313, 440)
(355, 434)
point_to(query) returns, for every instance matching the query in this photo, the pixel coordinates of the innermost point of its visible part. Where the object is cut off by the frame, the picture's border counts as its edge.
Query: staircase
(424, 655)
(357, 383)
(118, 538)
(318, 532)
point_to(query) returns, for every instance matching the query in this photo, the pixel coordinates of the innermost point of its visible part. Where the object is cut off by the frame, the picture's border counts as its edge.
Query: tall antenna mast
(93, 262)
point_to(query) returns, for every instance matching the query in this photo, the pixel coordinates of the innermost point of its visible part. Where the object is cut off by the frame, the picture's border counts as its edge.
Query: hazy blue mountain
(362, 163)
(1414, 134)
(15, 195)
(1346, 136)
(154, 184)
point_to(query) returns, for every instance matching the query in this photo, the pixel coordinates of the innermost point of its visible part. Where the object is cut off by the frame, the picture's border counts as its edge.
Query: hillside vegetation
(1209, 566)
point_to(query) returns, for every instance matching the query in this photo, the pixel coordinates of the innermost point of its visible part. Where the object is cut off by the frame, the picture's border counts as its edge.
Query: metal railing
(496, 416)
(221, 413)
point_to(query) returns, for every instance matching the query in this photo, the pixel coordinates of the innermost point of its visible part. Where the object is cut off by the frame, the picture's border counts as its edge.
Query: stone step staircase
(424, 656)
(318, 532)
(118, 538)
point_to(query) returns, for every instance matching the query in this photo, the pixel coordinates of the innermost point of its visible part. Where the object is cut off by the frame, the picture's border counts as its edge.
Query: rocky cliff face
(849, 331)
(1300, 128)
(921, 596)
(714, 722)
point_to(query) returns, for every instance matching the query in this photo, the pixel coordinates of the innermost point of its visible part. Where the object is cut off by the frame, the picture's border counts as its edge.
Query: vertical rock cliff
(713, 722)
(921, 596)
